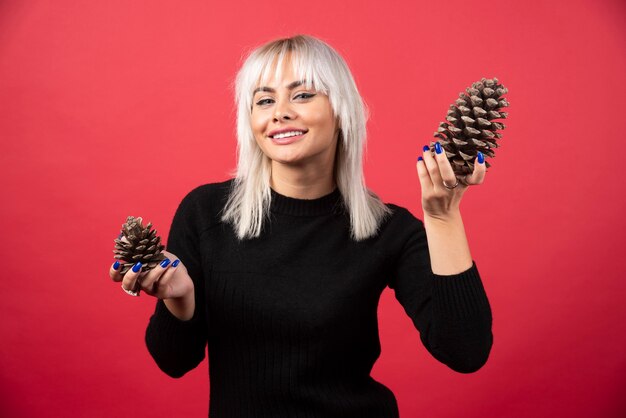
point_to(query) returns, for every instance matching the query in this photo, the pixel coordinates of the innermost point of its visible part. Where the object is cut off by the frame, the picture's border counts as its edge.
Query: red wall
(113, 108)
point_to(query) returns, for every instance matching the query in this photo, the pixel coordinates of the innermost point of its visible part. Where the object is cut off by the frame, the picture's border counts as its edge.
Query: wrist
(182, 307)
(451, 217)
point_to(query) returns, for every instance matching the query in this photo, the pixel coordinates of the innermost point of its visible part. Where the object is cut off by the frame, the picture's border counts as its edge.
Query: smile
(287, 137)
(286, 134)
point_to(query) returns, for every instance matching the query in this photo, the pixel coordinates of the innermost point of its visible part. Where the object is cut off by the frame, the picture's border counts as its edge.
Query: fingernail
(175, 263)
(116, 265)
(120, 235)
(481, 158)
(437, 148)
(419, 158)
(426, 148)
(137, 266)
(165, 262)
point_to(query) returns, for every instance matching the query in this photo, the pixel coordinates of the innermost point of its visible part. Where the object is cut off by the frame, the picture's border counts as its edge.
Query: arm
(435, 282)
(451, 312)
(176, 345)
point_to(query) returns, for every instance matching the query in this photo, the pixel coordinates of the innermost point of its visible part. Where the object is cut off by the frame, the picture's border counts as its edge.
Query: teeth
(288, 134)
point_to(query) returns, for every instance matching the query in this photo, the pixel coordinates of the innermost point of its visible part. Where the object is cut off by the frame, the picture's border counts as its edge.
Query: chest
(309, 276)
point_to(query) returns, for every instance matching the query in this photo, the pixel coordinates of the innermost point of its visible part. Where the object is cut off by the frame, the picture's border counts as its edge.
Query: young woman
(279, 269)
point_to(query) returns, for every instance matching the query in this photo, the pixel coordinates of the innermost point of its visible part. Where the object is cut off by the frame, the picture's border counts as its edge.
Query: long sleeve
(179, 346)
(451, 313)
(291, 316)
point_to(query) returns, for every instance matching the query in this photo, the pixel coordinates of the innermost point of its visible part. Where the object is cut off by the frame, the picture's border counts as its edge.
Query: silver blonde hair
(325, 70)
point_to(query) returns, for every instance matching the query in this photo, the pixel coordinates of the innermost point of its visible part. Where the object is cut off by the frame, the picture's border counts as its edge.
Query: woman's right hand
(166, 281)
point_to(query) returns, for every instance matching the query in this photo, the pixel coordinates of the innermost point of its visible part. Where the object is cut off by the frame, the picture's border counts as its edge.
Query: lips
(287, 140)
(285, 129)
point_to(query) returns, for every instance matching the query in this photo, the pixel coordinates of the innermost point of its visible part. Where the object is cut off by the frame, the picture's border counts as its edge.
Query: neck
(300, 185)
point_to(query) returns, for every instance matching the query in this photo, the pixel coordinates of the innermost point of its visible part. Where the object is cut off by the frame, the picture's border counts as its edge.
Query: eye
(262, 102)
(305, 95)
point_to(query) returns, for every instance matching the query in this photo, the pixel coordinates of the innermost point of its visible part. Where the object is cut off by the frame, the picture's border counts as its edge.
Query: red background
(114, 108)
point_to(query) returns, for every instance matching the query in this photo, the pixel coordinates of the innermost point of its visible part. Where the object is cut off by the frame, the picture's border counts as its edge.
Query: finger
(480, 169)
(163, 287)
(129, 282)
(432, 167)
(148, 281)
(445, 169)
(117, 266)
(422, 173)
(114, 271)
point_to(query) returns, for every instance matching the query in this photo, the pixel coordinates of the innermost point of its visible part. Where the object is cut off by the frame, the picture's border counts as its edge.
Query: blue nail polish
(419, 158)
(426, 148)
(175, 263)
(437, 148)
(137, 266)
(116, 265)
(481, 158)
(165, 262)
(120, 235)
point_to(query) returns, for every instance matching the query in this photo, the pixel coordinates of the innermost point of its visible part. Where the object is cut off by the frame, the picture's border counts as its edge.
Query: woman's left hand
(438, 201)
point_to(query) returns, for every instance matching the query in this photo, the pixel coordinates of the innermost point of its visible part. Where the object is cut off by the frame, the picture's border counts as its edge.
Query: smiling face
(285, 104)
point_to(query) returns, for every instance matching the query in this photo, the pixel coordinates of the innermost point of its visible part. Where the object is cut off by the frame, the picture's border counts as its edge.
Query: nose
(283, 110)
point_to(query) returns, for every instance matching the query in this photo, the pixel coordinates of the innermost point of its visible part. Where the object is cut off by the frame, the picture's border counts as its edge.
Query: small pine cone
(138, 243)
(470, 125)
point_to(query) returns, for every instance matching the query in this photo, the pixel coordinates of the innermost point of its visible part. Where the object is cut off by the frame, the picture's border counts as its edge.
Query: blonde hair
(322, 68)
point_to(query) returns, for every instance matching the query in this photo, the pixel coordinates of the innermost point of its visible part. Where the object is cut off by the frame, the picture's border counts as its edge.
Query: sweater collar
(330, 203)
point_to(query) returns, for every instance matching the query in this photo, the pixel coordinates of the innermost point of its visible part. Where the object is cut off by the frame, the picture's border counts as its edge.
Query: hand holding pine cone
(138, 243)
(470, 125)
(141, 246)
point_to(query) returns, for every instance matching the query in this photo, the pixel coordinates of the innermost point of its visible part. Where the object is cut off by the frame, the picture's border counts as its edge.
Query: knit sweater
(290, 318)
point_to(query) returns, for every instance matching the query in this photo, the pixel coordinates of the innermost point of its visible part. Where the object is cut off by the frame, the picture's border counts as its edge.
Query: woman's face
(284, 105)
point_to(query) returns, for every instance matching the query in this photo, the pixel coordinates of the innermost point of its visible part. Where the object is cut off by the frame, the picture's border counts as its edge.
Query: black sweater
(290, 318)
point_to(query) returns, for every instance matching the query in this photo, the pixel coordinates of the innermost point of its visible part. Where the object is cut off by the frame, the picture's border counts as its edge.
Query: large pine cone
(470, 126)
(138, 243)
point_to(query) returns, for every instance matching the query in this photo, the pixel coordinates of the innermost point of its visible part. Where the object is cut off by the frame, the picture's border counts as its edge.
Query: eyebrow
(291, 86)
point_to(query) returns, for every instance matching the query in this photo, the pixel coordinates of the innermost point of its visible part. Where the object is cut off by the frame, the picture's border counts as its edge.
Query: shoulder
(208, 194)
(202, 204)
(402, 226)
(403, 232)
(401, 216)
